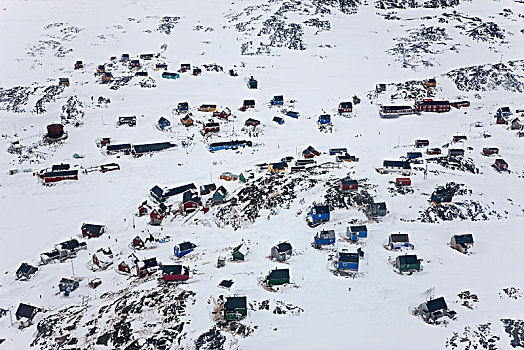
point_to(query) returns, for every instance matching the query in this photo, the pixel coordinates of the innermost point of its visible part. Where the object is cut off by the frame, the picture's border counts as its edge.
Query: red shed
(123, 267)
(156, 218)
(252, 122)
(488, 151)
(211, 127)
(138, 243)
(501, 165)
(175, 273)
(345, 107)
(348, 185)
(403, 181)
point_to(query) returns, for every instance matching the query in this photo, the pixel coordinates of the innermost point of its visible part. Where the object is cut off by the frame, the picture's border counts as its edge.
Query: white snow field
(316, 53)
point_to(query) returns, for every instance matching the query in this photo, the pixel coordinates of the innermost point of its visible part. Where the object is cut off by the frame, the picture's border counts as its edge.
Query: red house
(501, 165)
(225, 114)
(488, 151)
(348, 185)
(501, 120)
(191, 201)
(211, 127)
(124, 268)
(345, 107)
(434, 151)
(156, 218)
(143, 209)
(252, 122)
(92, 231)
(310, 152)
(177, 273)
(138, 243)
(403, 181)
(432, 106)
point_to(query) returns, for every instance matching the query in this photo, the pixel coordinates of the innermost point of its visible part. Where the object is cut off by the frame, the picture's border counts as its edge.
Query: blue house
(293, 114)
(319, 213)
(414, 155)
(182, 107)
(277, 100)
(360, 231)
(325, 237)
(503, 112)
(278, 120)
(347, 261)
(169, 75)
(184, 248)
(67, 285)
(324, 119)
(217, 146)
(163, 123)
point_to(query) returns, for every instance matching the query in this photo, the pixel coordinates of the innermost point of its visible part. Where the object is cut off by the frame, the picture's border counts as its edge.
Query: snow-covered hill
(316, 53)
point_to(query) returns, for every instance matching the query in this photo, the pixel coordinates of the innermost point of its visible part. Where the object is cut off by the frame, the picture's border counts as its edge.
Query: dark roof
(277, 119)
(190, 196)
(212, 125)
(221, 191)
(379, 206)
(26, 311)
(237, 248)
(408, 259)
(433, 103)
(278, 98)
(279, 165)
(348, 181)
(61, 173)
(399, 237)
(348, 257)
(151, 262)
(397, 164)
(120, 147)
(284, 247)
(396, 108)
(436, 304)
(504, 109)
(321, 209)
(360, 228)
(180, 189)
(249, 102)
(278, 274)
(186, 246)
(501, 161)
(70, 245)
(157, 191)
(56, 167)
(173, 270)
(346, 105)
(463, 239)
(208, 187)
(93, 228)
(233, 303)
(230, 143)
(66, 281)
(153, 147)
(26, 269)
(226, 283)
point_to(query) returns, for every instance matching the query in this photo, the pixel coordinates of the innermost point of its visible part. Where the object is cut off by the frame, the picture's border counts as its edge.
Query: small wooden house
(25, 271)
(377, 209)
(163, 123)
(185, 67)
(434, 309)
(279, 120)
(459, 138)
(79, 65)
(277, 277)
(100, 68)
(320, 213)
(239, 252)
(187, 121)
(124, 57)
(462, 243)
(225, 114)
(160, 66)
(324, 237)
(235, 308)
(67, 285)
(324, 119)
(488, 151)
(191, 201)
(403, 181)
(282, 251)
(101, 260)
(197, 71)
(421, 143)
(175, 273)
(310, 152)
(248, 104)
(252, 83)
(277, 100)
(345, 107)
(26, 313)
(220, 195)
(63, 81)
(207, 189)
(182, 107)
(184, 248)
(124, 267)
(138, 243)
(227, 176)
(407, 263)
(252, 122)
(207, 108)
(399, 241)
(211, 127)
(128, 120)
(516, 124)
(293, 114)
(434, 151)
(170, 75)
(413, 155)
(361, 231)
(134, 64)
(278, 167)
(396, 166)
(430, 83)
(156, 217)
(500, 165)
(92, 230)
(347, 261)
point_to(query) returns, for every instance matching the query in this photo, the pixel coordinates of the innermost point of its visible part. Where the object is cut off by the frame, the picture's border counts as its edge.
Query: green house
(278, 277)
(239, 253)
(235, 308)
(407, 263)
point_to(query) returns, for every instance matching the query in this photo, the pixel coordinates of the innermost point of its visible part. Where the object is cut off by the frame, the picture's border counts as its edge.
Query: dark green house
(407, 263)
(278, 277)
(235, 308)
(239, 253)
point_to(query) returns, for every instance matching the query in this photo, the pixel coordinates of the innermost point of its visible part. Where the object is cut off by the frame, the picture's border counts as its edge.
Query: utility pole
(72, 267)
(11, 317)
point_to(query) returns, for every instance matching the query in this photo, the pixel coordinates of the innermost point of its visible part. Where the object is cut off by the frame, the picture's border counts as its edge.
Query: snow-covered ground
(41, 41)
